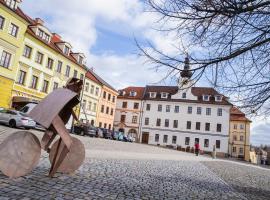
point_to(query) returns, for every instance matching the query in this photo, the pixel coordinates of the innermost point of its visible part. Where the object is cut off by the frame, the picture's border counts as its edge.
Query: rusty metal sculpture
(20, 152)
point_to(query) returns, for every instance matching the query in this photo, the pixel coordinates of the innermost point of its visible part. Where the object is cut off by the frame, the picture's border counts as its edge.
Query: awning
(18, 99)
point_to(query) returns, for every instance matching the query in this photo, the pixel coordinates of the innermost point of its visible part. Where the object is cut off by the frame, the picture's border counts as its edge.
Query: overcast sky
(104, 30)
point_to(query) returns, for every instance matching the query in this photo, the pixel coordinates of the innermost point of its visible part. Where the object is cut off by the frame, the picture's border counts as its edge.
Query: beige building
(106, 104)
(239, 140)
(90, 99)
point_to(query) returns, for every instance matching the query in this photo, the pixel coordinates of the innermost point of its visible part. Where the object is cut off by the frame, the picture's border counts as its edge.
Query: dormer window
(218, 98)
(43, 35)
(132, 93)
(152, 94)
(81, 60)
(206, 97)
(66, 50)
(12, 4)
(164, 95)
(184, 95)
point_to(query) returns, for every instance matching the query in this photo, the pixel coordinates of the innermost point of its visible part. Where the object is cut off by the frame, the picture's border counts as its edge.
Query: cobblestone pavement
(117, 170)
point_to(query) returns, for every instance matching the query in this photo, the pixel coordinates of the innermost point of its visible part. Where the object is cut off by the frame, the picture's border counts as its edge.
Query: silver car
(15, 119)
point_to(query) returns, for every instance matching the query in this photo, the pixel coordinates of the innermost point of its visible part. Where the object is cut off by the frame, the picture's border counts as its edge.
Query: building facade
(13, 25)
(129, 111)
(90, 99)
(239, 142)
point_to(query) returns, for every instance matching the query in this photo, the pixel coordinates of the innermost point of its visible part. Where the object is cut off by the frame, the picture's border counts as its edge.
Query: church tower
(186, 74)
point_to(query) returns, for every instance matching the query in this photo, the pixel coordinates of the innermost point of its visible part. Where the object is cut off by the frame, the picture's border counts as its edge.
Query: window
(175, 123)
(27, 51)
(89, 106)
(104, 95)
(136, 106)
(234, 149)
(187, 140)
(164, 95)
(59, 66)
(148, 107)
(13, 30)
(208, 111)
(241, 138)
(107, 110)
(206, 142)
(34, 82)
(109, 97)
(11, 3)
(146, 121)
(55, 85)
(176, 109)
(5, 59)
(45, 86)
(21, 79)
(97, 91)
(86, 88)
(167, 123)
(165, 138)
(92, 89)
(111, 111)
(198, 125)
(113, 99)
(132, 93)
(2, 22)
(235, 126)
(199, 110)
(110, 126)
(189, 110)
(67, 71)
(219, 112)
(241, 150)
(207, 126)
(159, 108)
(156, 137)
(184, 95)
(105, 125)
(242, 126)
(50, 63)
(75, 74)
(102, 109)
(235, 138)
(188, 124)
(152, 94)
(134, 119)
(218, 127)
(95, 107)
(174, 139)
(124, 104)
(82, 77)
(66, 50)
(218, 98)
(158, 122)
(206, 97)
(80, 59)
(39, 58)
(218, 144)
(168, 108)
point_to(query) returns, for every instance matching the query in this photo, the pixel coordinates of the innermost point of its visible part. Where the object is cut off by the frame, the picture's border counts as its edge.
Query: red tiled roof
(139, 93)
(196, 91)
(90, 76)
(238, 115)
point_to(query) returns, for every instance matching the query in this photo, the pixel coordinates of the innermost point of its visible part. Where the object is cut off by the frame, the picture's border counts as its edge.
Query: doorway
(145, 138)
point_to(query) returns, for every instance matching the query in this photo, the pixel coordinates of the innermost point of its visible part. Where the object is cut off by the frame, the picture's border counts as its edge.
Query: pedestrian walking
(197, 148)
(214, 153)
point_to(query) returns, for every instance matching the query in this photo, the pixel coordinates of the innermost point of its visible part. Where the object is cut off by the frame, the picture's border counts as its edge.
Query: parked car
(106, 133)
(85, 129)
(16, 119)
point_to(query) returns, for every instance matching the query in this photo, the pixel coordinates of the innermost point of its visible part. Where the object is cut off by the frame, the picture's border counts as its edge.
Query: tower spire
(186, 73)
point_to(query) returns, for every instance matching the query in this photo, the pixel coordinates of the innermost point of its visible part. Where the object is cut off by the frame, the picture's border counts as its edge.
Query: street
(118, 170)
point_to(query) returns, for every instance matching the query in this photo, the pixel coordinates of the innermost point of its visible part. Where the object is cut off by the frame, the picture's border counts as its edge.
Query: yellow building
(46, 63)
(106, 105)
(239, 141)
(90, 99)
(13, 25)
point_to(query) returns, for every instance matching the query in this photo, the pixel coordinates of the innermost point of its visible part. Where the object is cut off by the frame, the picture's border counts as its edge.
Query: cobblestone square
(117, 170)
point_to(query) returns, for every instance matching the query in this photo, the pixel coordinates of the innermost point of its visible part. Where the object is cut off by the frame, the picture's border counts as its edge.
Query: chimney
(39, 21)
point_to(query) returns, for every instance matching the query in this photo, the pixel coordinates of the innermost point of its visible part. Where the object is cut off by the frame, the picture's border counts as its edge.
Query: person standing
(197, 148)
(214, 153)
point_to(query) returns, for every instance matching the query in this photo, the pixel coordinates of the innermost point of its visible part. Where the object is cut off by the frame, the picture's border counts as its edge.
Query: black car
(84, 129)
(106, 133)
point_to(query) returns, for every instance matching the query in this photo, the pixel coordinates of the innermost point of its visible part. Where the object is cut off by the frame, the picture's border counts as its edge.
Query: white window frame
(152, 94)
(164, 95)
(206, 97)
(218, 98)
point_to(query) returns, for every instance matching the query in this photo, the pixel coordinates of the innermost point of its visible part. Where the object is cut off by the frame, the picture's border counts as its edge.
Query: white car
(16, 119)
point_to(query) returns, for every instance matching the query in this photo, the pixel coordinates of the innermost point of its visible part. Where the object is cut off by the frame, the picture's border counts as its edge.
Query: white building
(128, 111)
(179, 116)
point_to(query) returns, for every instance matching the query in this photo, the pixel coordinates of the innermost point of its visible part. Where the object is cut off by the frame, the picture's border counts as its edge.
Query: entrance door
(145, 138)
